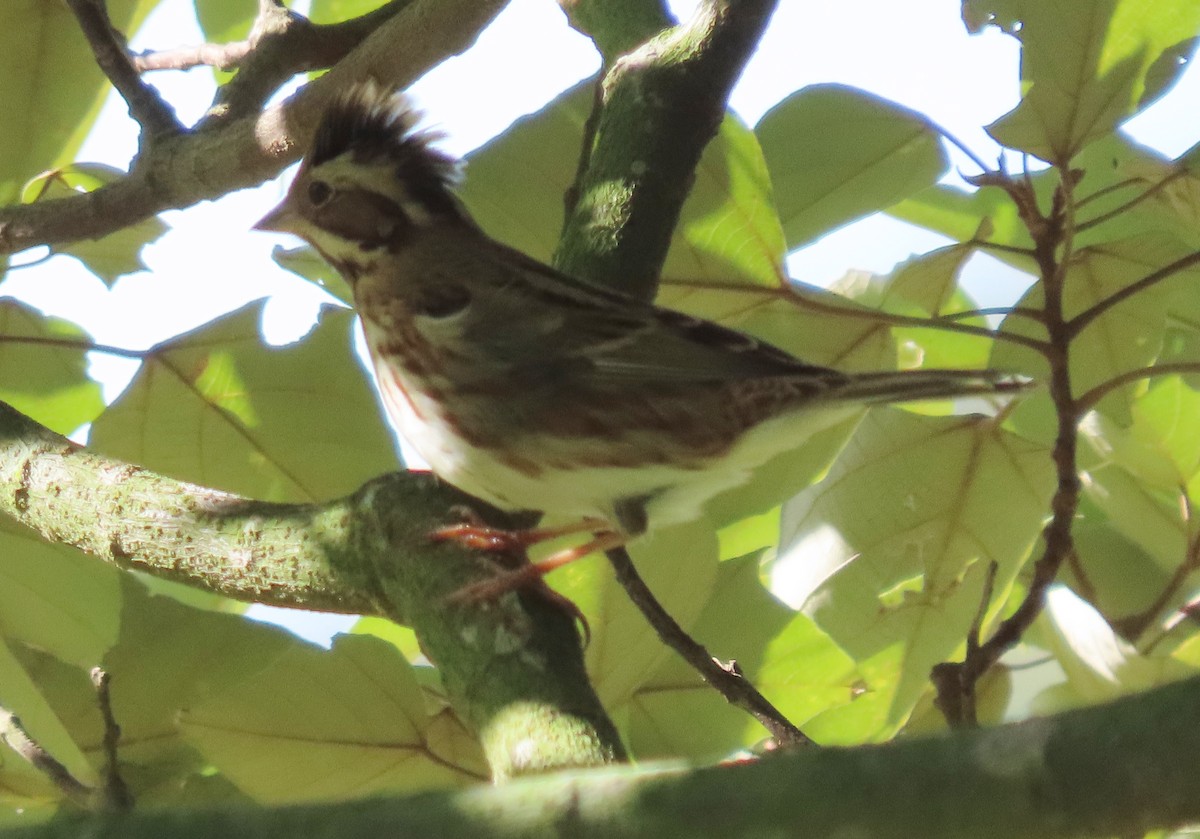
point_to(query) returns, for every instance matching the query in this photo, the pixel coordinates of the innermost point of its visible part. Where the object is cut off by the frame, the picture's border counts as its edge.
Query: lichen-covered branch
(513, 667)
(1113, 770)
(661, 105)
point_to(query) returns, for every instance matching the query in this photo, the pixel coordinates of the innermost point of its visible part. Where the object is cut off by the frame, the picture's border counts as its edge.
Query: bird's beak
(279, 220)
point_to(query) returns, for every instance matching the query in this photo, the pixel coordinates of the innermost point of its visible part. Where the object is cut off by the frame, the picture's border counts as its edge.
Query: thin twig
(957, 143)
(117, 795)
(955, 689)
(1130, 204)
(955, 681)
(1089, 399)
(1100, 193)
(223, 56)
(1002, 248)
(1002, 311)
(1077, 324)
(145, 105)
(75, 344)
(725, 679)
(920, 323)
(946, 323)
(14, 735)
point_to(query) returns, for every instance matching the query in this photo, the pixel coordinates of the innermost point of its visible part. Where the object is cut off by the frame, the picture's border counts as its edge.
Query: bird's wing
(538, 318)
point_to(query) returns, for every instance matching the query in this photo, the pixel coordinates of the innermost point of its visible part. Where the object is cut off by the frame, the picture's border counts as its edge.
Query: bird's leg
(510, 548)
(531, 574)
(482, 537)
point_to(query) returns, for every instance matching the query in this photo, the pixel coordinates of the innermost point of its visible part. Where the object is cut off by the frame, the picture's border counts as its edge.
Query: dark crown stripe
(378, 126)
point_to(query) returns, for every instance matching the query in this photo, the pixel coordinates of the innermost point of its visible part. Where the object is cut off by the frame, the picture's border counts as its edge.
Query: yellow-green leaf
(43, 368)
(837, 153)
(219, 407)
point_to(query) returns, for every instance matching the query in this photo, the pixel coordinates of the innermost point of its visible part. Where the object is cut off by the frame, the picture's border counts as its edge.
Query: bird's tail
(915, 385)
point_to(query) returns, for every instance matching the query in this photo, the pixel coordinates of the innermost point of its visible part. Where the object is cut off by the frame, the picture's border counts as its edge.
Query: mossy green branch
(660, 106)
(1114, 770)
(513, 668)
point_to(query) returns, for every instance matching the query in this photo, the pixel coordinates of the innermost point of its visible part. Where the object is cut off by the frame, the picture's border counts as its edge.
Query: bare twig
(1130, 204)
(956, 694)
(725, 679)
(1078, 323)
(222, 56)
(1089, 399)
(13, 734)
(145, 105)
(946, 323)
(116, 794)
(955, 681)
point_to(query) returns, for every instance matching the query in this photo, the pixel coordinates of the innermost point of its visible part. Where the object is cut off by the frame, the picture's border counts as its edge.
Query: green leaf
(306, 262)
(218, 407)
(836, 153)
(22, 693)
(1100, 666)
(113, 255)
(43, 368)
(50, 85)
(893, 568)
(1085, 66)
(1148, 517)
(1122, 578)
(927, 281)
(335, 11)
(952, 212)
(354, 724)
(54, 598)
(1160, 447)
(223, 21)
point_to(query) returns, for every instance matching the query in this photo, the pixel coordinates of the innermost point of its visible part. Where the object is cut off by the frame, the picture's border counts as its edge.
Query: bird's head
(370, 183)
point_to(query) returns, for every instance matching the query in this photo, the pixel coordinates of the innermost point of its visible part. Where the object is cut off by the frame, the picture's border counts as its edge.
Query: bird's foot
(511, 547)
(477, 535)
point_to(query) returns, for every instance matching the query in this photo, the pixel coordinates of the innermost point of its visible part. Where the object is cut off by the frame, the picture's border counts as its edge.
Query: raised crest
(379, 126)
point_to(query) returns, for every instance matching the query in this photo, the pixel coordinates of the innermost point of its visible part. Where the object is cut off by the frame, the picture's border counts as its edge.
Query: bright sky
(916, 53)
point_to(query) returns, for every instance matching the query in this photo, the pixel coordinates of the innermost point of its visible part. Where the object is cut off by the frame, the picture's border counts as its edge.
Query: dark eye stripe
(368, 218)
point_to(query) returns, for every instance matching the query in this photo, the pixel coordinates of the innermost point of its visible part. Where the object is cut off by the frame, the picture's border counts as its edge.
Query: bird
(534, 390)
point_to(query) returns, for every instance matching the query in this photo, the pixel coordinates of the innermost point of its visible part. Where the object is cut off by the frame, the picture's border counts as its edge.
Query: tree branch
(520, 682)
(1078, 323)
(724, 679)
(145, 105)
(661, 105)
(1111, 770)
(180, 170)
(14, 735)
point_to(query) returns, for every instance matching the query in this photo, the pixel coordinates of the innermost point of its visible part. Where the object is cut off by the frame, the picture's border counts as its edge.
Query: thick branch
(182, 169)
(661, 105)
(513, 668)
(1114, 770)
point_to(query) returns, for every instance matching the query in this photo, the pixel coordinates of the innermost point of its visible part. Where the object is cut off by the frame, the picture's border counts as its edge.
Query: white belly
(675, 494)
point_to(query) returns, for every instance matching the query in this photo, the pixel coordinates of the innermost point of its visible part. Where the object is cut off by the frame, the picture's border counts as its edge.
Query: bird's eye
(319, 192)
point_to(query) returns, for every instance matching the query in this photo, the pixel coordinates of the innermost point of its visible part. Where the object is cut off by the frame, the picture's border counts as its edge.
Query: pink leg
(481, 537)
